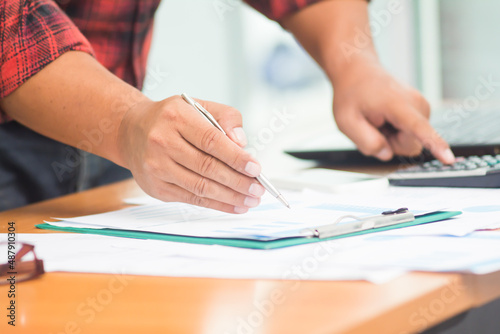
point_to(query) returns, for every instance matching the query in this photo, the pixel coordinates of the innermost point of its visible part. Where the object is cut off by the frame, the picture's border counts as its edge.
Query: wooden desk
(97, 303)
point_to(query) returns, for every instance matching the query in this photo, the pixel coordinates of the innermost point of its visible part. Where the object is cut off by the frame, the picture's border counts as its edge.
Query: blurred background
(224, 51)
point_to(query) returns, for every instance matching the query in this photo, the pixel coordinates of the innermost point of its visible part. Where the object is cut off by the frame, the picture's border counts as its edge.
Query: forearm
(173, 153)
(335, 33)
(76, 101)
(367, 99)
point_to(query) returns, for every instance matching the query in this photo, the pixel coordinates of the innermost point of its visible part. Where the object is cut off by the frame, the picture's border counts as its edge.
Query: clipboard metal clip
(386, 218)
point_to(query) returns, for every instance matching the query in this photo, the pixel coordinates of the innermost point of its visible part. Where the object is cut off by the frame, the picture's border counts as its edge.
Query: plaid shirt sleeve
(278, 9)
(32, 35)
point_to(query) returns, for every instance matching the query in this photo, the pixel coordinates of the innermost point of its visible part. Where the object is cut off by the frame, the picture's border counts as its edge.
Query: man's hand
(172, 151)
(176, 155)
(383, 117)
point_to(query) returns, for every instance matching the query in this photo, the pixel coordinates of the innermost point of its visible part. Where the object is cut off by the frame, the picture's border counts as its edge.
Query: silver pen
(261, 178)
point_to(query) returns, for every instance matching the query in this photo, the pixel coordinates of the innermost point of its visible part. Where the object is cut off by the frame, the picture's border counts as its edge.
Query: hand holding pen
(261, 178)
(177, 156)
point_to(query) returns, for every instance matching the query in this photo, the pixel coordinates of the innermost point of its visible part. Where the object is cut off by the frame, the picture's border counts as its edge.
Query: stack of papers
(446, 246)
(376, 259)
(270, 221)
(103, 254)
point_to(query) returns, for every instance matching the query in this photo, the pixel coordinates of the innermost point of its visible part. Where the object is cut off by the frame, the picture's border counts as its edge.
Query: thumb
(229, 119)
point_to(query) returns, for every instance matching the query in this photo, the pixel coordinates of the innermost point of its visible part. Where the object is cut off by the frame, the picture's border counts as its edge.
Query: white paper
(373, 257)
(112, 255)
(271, 220)
(480, 207)
(477, 253)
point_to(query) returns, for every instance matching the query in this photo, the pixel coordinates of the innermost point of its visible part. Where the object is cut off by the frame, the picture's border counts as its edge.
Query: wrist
(132, 116)
(340, 69)
(336, 34)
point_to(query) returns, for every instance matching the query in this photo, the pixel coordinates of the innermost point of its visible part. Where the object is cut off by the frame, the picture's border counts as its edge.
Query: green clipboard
(246, 243)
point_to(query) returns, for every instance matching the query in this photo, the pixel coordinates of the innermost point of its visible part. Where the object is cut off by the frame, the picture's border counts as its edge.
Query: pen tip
(283, 201)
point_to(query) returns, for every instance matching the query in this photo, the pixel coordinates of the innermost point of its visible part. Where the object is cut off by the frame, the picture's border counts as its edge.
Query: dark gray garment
(34, 168)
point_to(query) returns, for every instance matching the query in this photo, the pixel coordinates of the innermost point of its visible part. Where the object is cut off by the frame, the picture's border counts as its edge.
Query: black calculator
(472, 172)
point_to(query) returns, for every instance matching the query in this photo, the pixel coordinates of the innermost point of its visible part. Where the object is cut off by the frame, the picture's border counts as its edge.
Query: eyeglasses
(17, 266)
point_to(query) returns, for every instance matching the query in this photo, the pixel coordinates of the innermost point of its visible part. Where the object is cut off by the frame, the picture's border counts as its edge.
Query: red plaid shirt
(33, 33)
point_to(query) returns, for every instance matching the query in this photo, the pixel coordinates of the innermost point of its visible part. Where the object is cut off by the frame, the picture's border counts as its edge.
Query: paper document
(477, 253)
(269, 221)
(373, 258)
(480, 210)
(480, 207)
(123, 256)
(331, 181)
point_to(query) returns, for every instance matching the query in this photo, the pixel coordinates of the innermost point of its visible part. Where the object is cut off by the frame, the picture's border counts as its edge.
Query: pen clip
(208, 116)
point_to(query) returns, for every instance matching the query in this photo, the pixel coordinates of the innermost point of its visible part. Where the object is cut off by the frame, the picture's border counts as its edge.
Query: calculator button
(462, 173)
(470, 166)
(436, 163)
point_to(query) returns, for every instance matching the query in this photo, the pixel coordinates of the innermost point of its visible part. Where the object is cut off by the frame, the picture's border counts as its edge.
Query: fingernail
(256, 190)
(448, 156)
(252, 169)
(384, 154)
(239, 209)
(240, 135)
(251, 202)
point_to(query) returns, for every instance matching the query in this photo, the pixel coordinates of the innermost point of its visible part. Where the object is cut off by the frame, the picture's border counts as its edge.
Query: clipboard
(324, 233)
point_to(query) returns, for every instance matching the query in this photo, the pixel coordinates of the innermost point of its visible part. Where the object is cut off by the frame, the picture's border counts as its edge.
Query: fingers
(176, 148)
(367, 137)
(213, 142)
(405, 144)
(411, 131)
(230, 120)
(206, 176)
(168, 192)
(414, 123)
(402, 143)
(410, 115)
(209, 167)
(205, 187)
(373, 98)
